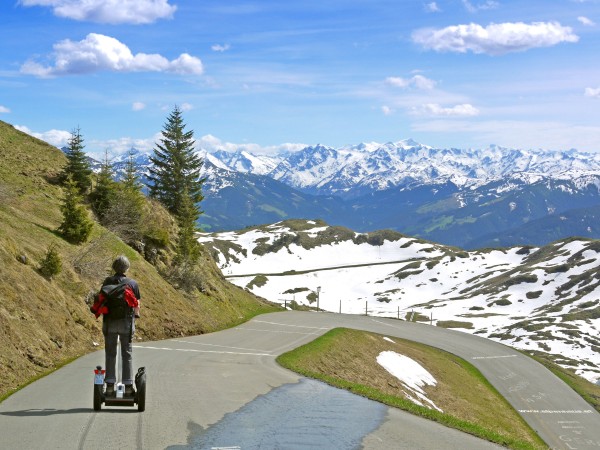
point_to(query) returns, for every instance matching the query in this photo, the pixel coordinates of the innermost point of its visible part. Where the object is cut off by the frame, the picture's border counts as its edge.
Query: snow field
(396, 278)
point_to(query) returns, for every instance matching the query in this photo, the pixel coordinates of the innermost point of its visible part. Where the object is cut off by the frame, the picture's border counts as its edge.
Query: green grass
(462, 392)
(454, 324)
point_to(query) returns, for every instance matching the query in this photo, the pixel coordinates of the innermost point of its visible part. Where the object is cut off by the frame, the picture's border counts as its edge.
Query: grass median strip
(348, 359)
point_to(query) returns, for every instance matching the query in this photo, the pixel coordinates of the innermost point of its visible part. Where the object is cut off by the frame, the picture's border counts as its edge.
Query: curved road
(224, 390)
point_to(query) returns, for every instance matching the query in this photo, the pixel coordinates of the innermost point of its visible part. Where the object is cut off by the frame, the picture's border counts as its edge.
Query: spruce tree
(51, 264)
(131, 179)
(78, 166)
(76, 226)
(104, 191)
(175, 167)
(188, 248)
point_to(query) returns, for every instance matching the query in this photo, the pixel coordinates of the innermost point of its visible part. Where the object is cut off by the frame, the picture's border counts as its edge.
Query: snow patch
(413, 376)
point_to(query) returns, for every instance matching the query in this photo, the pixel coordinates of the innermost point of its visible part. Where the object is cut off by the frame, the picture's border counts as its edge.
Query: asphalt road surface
(225, 390)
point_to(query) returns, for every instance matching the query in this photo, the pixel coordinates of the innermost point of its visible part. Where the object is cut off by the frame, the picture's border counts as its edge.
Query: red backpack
(115, 301)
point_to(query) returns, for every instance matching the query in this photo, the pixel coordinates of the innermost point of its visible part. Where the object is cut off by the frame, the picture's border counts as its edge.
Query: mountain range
(469, 198)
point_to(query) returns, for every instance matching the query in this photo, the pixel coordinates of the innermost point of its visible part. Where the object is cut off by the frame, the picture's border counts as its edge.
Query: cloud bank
(592, 92)
(418, 81)
(489, 4)
(436, 110)
(585, 21)
(108, 11)
(98, 52)
(495, 39)
(212, 143)
(220, 48)
(58, 138)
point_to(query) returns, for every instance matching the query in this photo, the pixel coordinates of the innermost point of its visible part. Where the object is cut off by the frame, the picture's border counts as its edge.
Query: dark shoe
(129, 390)
(110, 390)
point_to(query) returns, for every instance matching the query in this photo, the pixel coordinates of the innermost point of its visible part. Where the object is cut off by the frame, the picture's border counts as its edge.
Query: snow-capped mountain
(470, 198)
(537, 299)
(356, 170)
(245, 162)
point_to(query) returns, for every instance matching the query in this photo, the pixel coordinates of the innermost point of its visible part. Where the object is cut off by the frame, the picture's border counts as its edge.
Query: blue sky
(273, 74)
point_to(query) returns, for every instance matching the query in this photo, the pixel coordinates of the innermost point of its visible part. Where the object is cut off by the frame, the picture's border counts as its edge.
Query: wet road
(226, 390)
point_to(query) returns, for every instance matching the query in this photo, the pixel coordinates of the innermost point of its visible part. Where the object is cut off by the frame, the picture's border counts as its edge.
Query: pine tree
(76, 226)
(175, 167)
(51, 264)
(188, 248)
(104, 191)
(131, 179)
(78, 166)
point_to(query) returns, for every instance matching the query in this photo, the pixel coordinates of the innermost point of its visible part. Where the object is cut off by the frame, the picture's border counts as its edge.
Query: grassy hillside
(45, 322)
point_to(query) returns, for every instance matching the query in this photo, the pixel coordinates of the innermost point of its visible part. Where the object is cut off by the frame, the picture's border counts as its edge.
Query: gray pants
(115, 330)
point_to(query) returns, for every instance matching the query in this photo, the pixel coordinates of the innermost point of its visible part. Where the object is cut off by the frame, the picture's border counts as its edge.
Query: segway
(119, 398)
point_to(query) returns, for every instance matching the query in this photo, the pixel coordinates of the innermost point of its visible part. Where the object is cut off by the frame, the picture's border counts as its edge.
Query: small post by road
(318, 296)
(398, 313)
(366, 310)
(340, 306)
(431, 319)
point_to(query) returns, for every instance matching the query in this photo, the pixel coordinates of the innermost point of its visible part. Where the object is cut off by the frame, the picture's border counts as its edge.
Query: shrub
(76, 226)
(51, 264)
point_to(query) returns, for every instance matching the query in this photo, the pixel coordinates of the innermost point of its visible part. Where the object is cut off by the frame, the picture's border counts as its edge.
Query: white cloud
(418, 81)
(98, 52)
(138, 106)
(432, 7)
(489, 4)
(592, 92)
(58, 138)
(4, 110)
(186, 107)
(212, 143)
(122, 145)
(108, 11)
(119, 146)
(434, 109)
(495, 39)
(387, 110)
(585, 21)
(220, 48)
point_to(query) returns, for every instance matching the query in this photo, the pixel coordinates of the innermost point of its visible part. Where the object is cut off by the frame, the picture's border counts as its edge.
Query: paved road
(225, 390)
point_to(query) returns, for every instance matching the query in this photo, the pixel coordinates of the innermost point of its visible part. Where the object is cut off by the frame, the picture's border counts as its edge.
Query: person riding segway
(119, 304)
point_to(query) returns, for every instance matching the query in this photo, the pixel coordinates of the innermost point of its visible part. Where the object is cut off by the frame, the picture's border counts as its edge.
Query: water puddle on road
(305, 415)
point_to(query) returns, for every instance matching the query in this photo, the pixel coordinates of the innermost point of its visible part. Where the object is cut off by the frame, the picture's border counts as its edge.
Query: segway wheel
(97, 397)
(140, 384)
(142, 399)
